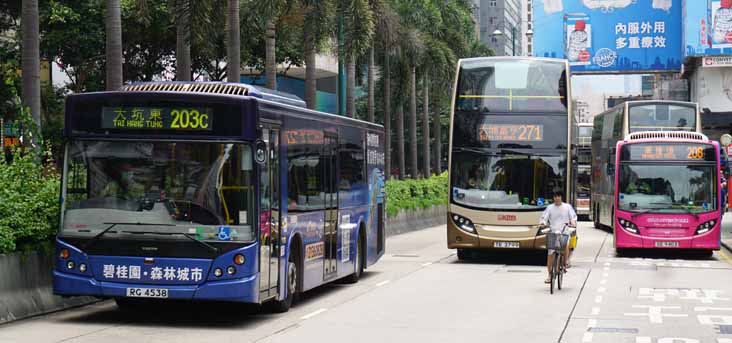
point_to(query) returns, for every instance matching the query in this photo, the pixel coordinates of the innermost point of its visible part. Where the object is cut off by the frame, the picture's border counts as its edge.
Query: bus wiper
(186, 235)
(111, 225)
(639, 213)
(97, 236)
(688, 210)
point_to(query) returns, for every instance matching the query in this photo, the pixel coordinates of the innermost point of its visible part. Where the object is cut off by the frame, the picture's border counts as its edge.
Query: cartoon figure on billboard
(663, 5)
(553, 6)
(721, 23)
(607, 5)
(578, 38)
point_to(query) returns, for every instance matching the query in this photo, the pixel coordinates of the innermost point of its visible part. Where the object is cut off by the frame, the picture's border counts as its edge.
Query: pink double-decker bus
(667, 192)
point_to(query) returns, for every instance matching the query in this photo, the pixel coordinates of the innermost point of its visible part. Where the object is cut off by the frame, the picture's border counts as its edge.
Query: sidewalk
(727, 231)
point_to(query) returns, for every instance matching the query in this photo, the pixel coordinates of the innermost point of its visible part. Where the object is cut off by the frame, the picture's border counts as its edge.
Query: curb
(727, 246)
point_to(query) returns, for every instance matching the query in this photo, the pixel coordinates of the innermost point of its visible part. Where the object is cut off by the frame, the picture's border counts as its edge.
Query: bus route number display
(672, 152)
(157, 118)
(511, 132)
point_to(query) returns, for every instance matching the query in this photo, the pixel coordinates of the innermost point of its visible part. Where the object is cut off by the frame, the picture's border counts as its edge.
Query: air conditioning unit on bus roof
(223, 88)
(667, 135)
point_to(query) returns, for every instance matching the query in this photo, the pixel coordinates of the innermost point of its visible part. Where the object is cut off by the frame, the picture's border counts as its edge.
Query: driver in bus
(477, 177)
(123, 183)
(556, 216)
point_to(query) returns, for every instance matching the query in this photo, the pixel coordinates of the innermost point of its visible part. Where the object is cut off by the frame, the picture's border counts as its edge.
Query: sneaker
(548, 280)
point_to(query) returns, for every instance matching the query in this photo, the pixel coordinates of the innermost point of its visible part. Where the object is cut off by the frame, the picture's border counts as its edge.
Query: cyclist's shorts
(573, 242)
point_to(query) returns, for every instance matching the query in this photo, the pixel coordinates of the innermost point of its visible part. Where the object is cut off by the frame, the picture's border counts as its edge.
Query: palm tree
(413, 121)
(400, 138)
(182, 10)
(233, 46)
(387, 32)
(113, 23)
(426, 125)
(31, 60)
(270, 65)
(319, 19)
(358, 30)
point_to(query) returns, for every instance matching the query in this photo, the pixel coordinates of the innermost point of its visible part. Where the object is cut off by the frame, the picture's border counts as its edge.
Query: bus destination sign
(676, 152)
(511, 132)
(157, 118)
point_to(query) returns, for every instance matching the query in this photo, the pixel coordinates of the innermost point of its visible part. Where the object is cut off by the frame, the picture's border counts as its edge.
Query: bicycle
(557, 241)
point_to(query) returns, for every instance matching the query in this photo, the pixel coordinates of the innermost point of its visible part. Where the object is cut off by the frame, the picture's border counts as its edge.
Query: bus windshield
(583, 181)
(656, 117)
(506, 180)
(496, 85)
(201, 189)
(672, 188)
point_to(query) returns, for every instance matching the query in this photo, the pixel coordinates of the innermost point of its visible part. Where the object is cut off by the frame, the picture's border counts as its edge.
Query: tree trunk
(113, 23)
(233, 46)
(183, 42)
(437, 128)
(426, 126)
(413, 123)
(400, 139)
(31, 60)
(372, 87)
(270, 66)
(351, 87)
(311, 83)
(387, 114)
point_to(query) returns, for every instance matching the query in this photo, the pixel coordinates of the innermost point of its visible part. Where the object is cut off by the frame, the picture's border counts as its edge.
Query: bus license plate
(667, 244)
(147, 292)
(513, 245)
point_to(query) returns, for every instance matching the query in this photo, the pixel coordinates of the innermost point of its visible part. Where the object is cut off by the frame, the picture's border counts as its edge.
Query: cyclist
(556, 216)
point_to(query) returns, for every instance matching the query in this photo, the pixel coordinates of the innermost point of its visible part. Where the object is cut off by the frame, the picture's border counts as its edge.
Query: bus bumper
(236, 290)
(624, 239)
(459, 239)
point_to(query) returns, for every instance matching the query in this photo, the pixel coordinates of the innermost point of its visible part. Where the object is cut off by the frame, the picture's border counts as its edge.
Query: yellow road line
(725, 256)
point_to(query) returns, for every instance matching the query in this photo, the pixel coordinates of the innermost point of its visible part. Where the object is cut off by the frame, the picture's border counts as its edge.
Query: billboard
(610, 36)
(708, 27)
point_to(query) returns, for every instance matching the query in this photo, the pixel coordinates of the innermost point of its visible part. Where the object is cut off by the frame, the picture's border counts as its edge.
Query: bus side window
(618, 124)
(77, 179)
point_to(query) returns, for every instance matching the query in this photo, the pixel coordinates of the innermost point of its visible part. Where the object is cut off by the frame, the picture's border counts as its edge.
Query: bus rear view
(667, 192)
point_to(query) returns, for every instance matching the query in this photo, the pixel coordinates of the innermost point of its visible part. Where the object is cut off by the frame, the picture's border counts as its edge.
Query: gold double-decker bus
(510, 150)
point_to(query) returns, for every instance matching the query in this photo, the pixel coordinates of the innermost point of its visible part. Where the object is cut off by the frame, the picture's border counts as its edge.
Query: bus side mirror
(260, 151)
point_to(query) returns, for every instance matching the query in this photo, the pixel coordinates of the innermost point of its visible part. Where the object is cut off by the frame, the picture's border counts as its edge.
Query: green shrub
(415, 194)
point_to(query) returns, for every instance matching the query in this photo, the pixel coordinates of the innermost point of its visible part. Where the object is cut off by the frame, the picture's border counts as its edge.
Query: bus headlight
(629, 226)
(463, 223)
(706, 227)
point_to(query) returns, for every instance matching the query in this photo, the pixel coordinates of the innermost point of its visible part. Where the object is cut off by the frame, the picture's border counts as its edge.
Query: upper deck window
(654, 117)
(507, 85)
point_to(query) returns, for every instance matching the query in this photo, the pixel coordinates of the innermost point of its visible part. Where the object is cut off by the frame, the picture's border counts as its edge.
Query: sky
(594, 88)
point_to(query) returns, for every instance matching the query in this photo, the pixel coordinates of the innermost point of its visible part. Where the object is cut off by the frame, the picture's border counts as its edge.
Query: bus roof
(497, 58)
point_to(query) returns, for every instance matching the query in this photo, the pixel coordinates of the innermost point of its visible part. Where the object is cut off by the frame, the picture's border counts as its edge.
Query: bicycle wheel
(560, 274)
(553, 274)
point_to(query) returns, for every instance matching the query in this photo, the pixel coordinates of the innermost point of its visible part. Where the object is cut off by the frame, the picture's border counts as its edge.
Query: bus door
(330, 175)
(269, 252)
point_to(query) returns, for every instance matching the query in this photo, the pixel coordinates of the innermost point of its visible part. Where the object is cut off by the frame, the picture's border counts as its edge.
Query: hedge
(415, 194)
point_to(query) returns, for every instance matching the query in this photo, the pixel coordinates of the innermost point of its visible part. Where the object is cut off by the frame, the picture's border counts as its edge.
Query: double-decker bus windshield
(661, 117)
(159, 187)
(583, 181)
(490, 86)
(506, 180)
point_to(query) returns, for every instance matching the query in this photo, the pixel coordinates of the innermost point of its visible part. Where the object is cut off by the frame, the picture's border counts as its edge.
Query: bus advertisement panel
(509, 151)
(667, 194)
(213, 191)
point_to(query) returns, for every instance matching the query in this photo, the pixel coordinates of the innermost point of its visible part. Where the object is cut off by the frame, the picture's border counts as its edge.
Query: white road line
(595, 311)
(588, 335)
(606, 268)
(607, 263)
(601, 290)
(313, 314)
(724, 340)
(603, 281)
(426, 264)
(643, 339)
(382, 283)
(598, 299)
(605, 274)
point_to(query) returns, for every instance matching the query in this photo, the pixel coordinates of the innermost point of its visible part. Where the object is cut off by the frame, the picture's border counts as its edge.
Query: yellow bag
(573, 242)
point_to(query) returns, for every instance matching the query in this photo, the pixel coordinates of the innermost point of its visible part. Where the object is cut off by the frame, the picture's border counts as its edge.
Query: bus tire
(706, 253)
(293, 284)
(464, 254)
(596, 218)
(620, 252)
(353, 278)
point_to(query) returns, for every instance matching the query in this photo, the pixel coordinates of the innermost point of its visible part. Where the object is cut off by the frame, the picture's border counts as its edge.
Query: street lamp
(498, 33)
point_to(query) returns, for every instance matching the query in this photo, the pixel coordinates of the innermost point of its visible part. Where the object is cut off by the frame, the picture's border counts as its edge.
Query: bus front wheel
(463, 254)
(353, 278)
(293, 281)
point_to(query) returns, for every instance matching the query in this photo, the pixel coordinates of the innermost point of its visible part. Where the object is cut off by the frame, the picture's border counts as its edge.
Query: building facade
(504, 16)
(527, 23)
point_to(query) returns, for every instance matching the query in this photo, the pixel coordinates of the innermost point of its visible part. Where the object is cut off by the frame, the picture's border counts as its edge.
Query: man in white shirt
(556, 216)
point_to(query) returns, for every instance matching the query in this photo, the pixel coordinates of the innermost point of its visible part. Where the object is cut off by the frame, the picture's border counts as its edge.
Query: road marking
(601, 290)
(725, 257)
(313, 314)
(607, 263)
(595, 311)
(655, 313)
(382, 283)
(603, 281)
(605, 274)
(426, 264)
(588, 334)
(606, 268)
(598, 299)
(643, 340)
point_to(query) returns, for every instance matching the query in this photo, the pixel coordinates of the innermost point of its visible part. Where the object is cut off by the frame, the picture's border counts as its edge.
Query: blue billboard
(610, 36)
(708, 27)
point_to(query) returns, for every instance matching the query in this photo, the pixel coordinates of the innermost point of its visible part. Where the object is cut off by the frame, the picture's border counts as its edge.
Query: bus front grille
(668, 135)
